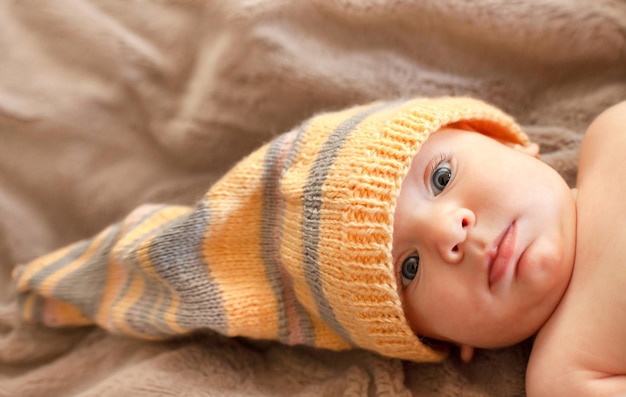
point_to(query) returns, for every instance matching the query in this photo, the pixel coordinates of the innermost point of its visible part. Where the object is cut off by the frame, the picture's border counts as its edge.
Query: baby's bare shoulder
(582, 350)
(603, 141)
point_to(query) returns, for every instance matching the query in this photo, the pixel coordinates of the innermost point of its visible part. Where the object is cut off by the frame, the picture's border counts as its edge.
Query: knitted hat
(293, 244)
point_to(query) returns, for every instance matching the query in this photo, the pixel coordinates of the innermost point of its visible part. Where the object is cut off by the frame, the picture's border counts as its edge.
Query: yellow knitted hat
(293, 244)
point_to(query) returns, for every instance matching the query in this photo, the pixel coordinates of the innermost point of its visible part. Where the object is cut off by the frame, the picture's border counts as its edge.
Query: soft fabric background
(107, 104)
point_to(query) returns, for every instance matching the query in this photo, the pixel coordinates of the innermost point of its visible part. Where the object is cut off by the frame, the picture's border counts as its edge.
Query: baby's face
(484, 240)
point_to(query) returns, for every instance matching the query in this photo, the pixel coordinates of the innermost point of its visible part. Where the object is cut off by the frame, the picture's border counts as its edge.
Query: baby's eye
(410, 266)
(441, 177)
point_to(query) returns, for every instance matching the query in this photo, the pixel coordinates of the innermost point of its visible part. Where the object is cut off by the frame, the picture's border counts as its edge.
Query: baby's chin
(505, 342)
(507, 330)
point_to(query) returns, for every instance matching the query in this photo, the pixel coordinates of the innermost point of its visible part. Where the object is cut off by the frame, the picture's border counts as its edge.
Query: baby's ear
(467, 353)
(531, 149)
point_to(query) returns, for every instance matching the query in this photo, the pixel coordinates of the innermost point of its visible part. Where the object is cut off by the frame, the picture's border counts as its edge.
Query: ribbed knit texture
(293, 244)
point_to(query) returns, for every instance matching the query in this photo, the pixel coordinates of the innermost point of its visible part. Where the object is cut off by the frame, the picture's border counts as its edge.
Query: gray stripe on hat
(312, 211)
(36, 310)
(84, 286)
(135, 317)
(128, 259)
(273, 210)
(295, 146)
(131, 247)
(137, 314)
(176, 255)
(306, 325)
(74, 253)
(269, 210)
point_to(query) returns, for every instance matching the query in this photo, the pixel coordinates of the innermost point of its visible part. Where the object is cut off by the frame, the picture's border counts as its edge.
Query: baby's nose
(452, 233)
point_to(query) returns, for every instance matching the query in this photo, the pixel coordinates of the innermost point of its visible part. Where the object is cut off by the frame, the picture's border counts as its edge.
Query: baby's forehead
(453, 134)
(443, 136)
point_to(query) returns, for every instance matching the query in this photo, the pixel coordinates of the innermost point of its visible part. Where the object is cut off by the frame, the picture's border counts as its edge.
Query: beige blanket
(108, 104)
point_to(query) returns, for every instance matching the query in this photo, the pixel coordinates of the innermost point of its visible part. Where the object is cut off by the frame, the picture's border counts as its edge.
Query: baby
(368, 227)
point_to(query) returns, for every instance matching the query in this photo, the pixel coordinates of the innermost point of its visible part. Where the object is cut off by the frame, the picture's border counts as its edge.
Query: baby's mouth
(501, 254)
